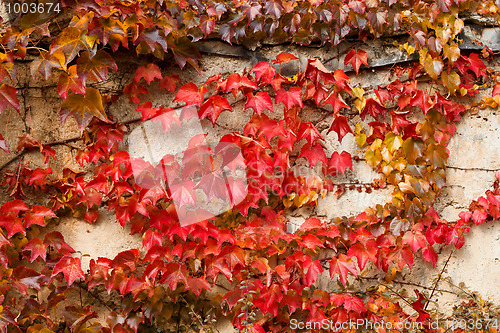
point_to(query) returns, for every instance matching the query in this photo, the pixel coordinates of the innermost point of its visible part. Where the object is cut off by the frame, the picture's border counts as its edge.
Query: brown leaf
(83, 108)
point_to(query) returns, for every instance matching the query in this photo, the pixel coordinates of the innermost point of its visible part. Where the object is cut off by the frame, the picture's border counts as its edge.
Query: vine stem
(410, 284)
(79, 284)
(197, 316)
(443, 269)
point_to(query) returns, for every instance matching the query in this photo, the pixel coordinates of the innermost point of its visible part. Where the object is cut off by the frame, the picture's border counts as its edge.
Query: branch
(411, 284)
(25, 151)
(442, 270)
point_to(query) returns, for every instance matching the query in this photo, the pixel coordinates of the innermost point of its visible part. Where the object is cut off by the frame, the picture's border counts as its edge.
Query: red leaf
(148, 111)
(358, 6)
(342, 266)
(3, 240)
(416, 240)
(24, 278)
(56, 239)
(430, 255)
(150, 238)
(419, 306)
(314, 154)
(149, 73)
(69, 81)
(311, 271)
(311, 224)
(37, 249)
(289, 98)
(309, 132)
(356, 58)
(316, 71)
(168, 118)
(14, 207)
(264, 71)
(182, 192)
(236, 82)
(173, 275)
(12, 225)
(37, 215)
(284, 57)
(339, 162)
(311, 242)
(336, 101)
(126, 259)
(213, 107)
(354, 303)
(99, 183)
(96, 67)
(133, 91)
(3, 145)
(293, 300)
(213, 186)
(383, 95)
(70, 267)
(8, 97)
(170, 82)
(342, 80)
(373, 108)
(340, 126)
(274, 8)
(364, 252)
(190, 94)
(259, 102)
(269, 299)
(423, 100)
(477, 65)
(196, 285)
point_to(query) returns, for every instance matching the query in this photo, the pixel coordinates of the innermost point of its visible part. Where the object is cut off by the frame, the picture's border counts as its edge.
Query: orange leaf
(96, 68)
(83, 108)
(71, 41)
(356, 59)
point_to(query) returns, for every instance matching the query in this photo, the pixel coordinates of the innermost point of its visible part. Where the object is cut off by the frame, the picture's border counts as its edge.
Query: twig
(79, 284)
(24, 151)
(442, 270)
(197, 316)
(410, 284)
(398, 294)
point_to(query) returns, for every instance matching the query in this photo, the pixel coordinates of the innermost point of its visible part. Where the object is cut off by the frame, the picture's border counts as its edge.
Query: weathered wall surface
(474, 154)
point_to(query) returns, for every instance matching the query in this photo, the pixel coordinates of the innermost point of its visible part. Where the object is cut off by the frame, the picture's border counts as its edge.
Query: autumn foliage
(242, 264)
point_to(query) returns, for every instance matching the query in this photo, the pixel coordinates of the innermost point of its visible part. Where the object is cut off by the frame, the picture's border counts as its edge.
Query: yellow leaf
(410, 49)
(452, 52)
(452, 81)
(358, 128)
(358, 92)
(386, 156)
(433, 67)
(301, 200)
(373, 157)
(360, 139)
(393, 142)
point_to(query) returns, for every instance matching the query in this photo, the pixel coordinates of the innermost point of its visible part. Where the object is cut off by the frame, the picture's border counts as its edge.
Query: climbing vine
(241, 264)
